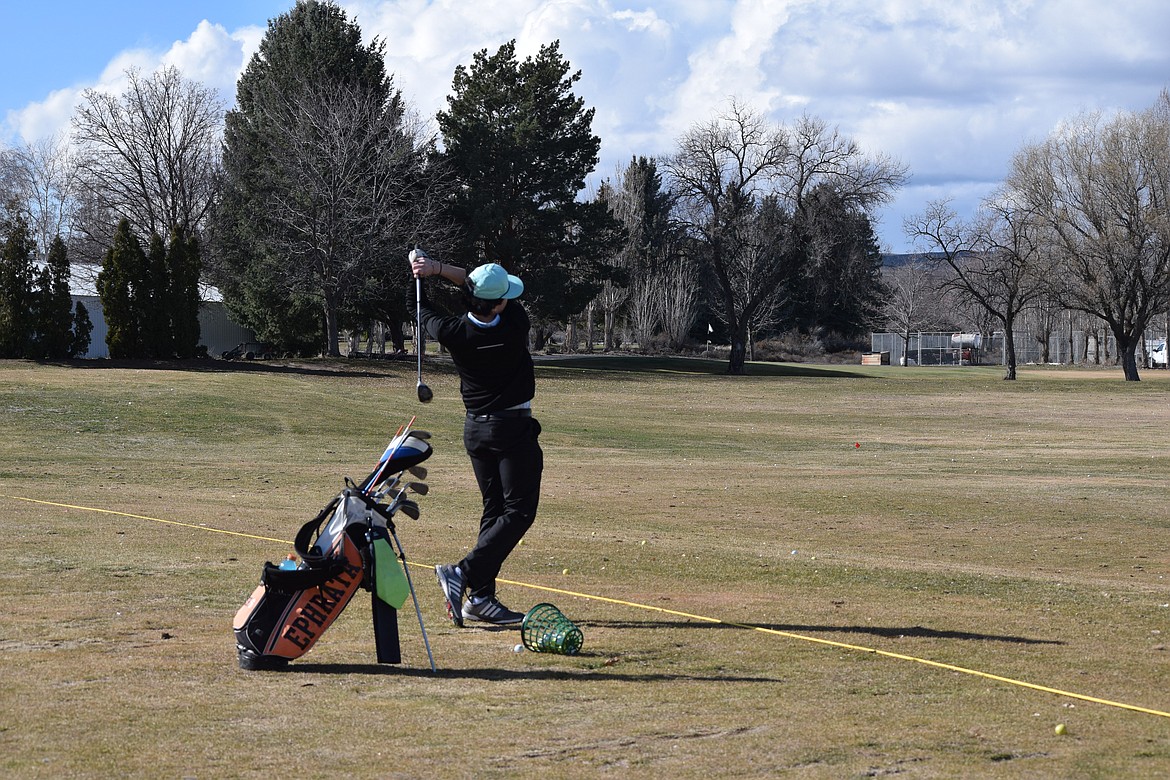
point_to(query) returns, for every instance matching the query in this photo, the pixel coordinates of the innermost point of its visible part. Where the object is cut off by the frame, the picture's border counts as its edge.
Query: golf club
(424, 393)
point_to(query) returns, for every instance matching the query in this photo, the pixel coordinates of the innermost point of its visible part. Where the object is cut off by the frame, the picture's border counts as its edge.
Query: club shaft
(418, 341)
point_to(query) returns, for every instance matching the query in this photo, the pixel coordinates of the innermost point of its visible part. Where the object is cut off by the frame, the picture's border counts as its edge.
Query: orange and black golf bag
(349, 545)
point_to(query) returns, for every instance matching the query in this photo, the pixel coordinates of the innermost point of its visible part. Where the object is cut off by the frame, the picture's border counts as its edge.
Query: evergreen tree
(17, 277)
(121, 287)
(835, 280)
(82, 331)
(183, 293)
(314, 194)
(156, 303)
(55, 330)
(520, 145)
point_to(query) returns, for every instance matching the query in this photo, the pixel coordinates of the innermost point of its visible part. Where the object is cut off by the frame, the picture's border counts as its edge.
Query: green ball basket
(546, 630)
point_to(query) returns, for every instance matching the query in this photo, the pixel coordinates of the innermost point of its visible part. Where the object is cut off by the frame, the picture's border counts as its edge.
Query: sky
(951, 89)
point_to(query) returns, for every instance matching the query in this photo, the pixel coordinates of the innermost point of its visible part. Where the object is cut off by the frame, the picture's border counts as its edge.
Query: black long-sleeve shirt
(495, 367)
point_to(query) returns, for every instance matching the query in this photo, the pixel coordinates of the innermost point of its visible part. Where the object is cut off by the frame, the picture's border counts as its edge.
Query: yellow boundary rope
(676, 613)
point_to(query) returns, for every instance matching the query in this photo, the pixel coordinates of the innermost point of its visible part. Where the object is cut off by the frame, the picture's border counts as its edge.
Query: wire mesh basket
(546, 630)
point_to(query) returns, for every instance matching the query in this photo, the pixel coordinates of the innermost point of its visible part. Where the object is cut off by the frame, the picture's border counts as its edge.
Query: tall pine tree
(82, 331)
(17, 280)
(122, 289)
(182, 292)
(308, 206)
(520, 145)
(54, 305)
(156, 304)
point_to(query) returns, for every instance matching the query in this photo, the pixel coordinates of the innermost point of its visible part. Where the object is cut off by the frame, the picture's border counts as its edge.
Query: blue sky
(951, 89)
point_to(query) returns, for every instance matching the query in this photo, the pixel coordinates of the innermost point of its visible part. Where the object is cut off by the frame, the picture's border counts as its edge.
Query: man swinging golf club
(489, 346)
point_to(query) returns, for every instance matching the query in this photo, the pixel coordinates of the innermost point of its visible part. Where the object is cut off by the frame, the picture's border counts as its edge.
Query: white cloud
(643, 21)
(952, 89)
(210, 56)
(214, 57)
(46, 117)
(733, 65)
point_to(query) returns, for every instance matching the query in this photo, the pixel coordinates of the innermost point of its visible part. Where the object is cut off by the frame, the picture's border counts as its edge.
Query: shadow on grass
(910, 632)
(338, 367)
(607, 672)
(639, 364)
(623, 366)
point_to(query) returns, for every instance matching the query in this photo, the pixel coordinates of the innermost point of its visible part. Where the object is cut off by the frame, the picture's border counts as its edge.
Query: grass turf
(1015, 529)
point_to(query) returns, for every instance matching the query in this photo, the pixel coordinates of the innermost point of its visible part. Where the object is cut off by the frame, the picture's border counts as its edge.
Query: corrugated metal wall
(216, 331)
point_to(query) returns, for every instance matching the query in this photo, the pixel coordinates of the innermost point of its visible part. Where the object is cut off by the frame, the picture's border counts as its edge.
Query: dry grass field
(814, 572)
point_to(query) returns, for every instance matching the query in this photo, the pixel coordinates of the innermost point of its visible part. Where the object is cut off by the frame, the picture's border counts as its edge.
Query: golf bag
(348, 545)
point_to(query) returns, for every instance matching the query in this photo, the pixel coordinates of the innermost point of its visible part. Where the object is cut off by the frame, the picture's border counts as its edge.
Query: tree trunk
(735, 365)
(331, 331)
(396, 336)
(1129, 365)
(1009, 351)
(589, 336)
(571, 340)
(1127, 355)
(376, 338)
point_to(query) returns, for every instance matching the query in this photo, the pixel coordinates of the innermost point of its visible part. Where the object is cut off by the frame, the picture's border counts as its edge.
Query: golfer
(489, 346)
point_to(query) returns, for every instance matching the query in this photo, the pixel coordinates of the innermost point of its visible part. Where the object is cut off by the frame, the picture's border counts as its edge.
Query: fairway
(809, 571)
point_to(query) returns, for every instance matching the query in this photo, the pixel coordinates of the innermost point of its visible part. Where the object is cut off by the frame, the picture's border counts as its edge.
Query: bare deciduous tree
(1101, 187)
(723, 171)
(150, 155)
(680, 299)
(996, 261)
(350, 163)
(913, 302)
(611, 298)
(43, 183)
(645, 309)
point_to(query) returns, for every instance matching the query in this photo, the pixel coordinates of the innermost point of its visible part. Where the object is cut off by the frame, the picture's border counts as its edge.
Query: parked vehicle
(1156, 349)
(250, 350)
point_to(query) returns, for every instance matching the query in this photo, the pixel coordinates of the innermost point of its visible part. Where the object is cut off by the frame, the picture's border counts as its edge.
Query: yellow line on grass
(145, 517)
(677, 613)
(847, 646)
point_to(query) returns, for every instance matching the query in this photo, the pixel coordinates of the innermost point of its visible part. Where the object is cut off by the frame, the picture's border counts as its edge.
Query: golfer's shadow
(886, 632)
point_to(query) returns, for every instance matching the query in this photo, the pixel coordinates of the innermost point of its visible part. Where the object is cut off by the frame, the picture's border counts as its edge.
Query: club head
(421, 488)
(409, 508)
(416, 433)
(419, 472)
(424, 393)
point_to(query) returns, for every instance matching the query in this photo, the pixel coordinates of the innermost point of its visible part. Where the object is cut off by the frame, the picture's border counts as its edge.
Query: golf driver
(424, 393)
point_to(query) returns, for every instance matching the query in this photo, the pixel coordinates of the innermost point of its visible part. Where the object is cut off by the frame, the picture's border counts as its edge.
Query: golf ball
(564, 571)
(518, 648)
(1060, 729)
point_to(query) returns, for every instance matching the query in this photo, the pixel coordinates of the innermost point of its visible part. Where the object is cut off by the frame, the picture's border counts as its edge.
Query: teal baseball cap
(491, 282)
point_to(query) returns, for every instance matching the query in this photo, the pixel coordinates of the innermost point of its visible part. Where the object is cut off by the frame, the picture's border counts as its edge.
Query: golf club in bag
(349, 545)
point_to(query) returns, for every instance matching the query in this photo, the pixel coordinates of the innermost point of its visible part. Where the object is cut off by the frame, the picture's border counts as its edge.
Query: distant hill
(895, 260)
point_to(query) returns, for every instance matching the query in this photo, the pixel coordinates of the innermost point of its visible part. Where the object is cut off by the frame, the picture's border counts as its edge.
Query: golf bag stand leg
(414, 597)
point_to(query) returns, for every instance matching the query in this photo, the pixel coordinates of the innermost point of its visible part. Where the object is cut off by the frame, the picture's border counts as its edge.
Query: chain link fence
(967, 349)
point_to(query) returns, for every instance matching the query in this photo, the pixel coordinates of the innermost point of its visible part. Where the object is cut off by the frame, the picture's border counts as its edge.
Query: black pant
(508, 463)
